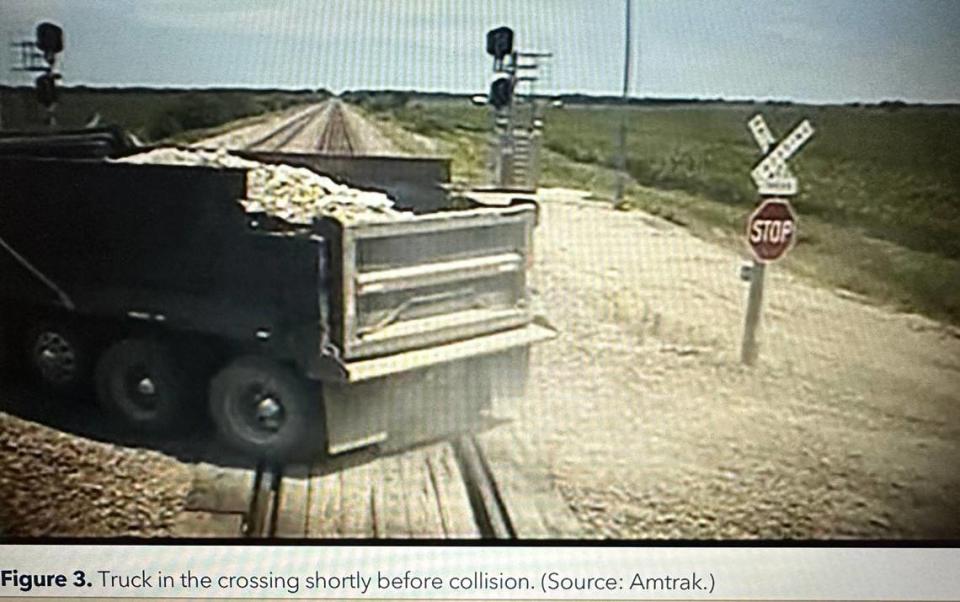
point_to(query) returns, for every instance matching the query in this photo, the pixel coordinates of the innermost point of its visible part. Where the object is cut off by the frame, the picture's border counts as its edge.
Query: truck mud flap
(428, 394)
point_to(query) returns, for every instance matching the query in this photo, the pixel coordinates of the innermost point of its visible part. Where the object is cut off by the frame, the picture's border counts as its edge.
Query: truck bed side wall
(158, 239)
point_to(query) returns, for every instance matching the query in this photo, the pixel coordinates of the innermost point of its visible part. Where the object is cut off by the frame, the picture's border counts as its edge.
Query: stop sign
(771, 229)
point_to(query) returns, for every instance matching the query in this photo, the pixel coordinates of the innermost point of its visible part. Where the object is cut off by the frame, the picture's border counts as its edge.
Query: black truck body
(407, 328)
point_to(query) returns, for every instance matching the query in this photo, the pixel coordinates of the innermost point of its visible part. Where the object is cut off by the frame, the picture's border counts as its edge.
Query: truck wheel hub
(269, 413)
(55, 357)
(146, 386)
(141, 389)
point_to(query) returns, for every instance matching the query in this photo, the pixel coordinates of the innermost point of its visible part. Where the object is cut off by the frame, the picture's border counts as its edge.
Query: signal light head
(49, 38)
(500, 42)
(501, 92)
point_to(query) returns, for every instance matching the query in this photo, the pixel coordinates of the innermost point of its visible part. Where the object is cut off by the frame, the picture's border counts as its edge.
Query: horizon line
(611, 97)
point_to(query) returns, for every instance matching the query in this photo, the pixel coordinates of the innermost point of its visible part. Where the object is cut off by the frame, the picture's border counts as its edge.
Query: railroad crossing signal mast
(517, 113)
(40, 56)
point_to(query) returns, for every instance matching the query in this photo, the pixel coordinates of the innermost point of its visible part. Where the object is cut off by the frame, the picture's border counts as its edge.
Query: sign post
(772, 227)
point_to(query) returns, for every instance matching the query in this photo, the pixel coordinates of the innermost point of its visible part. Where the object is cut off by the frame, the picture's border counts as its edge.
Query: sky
(821, 51)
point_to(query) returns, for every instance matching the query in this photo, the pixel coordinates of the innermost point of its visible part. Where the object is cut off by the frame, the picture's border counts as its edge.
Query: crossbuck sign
(772, 175)
(772, 227)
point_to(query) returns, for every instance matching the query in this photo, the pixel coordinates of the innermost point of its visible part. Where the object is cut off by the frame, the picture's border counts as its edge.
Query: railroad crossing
(468, 488)
(476, 485)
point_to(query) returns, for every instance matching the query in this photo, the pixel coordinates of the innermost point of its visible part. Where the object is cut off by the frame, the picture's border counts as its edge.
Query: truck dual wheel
(266, 410)
(59, 356)
(141, 381)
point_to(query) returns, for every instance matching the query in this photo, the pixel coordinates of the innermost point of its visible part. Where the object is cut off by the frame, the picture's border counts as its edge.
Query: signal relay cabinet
(155, 283)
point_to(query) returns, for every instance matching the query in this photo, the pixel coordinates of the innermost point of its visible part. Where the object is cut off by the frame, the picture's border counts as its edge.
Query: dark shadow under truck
(152, 283)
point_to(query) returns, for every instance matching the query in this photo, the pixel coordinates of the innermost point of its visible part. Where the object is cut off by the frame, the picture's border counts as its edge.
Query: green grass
(880, 192)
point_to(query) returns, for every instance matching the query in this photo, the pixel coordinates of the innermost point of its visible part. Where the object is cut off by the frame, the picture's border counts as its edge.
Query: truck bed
(172, 244)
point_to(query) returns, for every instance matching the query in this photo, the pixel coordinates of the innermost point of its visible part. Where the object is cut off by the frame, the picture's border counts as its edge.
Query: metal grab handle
(64, 298)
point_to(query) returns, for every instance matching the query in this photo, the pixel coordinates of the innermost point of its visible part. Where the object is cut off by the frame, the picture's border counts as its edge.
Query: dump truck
(153, 287)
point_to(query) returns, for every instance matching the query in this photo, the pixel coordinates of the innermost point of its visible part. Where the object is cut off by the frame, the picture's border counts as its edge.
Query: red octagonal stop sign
(771, 229)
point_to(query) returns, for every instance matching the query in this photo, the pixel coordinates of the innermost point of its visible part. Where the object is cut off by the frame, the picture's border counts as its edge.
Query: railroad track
(451, 489)
(282, 135)
(273, 510)
(335, 137)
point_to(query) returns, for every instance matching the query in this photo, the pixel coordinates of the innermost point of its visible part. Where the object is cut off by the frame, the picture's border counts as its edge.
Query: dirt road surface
(642, 416)
(52, 483)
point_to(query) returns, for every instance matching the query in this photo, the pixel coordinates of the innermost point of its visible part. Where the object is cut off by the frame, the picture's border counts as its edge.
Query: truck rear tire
(266, 410)
(58, 356)
(141, 381)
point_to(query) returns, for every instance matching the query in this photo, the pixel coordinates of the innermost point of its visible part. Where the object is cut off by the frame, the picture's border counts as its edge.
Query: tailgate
(433, 279)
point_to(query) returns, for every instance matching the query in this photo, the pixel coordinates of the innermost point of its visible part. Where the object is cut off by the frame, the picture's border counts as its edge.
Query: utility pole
(622, 151)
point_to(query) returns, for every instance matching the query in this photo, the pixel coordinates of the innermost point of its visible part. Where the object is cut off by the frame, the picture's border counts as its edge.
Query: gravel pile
(52, 483)
(293, 194)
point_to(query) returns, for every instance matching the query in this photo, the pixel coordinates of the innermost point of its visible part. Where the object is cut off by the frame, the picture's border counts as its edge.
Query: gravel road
(52, 483)
(642, 416)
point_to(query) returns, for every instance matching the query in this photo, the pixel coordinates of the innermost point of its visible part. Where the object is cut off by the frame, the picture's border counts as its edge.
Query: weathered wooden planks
(293, 499)
(217, 489)
(488, 487)
(423, 512)
(452, 500)
(535, 509)
(217, 502)
(356, 500)
(323, 508)
(192, 523)
(419, 493)
(392, 519)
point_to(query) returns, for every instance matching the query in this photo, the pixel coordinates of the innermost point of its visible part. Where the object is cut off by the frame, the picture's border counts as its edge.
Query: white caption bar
(480, 572)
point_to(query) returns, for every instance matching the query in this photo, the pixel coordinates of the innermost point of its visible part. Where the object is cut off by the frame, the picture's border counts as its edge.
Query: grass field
(880, 192)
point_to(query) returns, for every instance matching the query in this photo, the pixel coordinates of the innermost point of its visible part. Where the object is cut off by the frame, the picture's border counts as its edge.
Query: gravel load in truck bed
(53, 483)
(293, 194)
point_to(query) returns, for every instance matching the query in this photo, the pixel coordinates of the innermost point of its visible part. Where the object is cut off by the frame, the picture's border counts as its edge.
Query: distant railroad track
(336, 137)
(281, 135)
